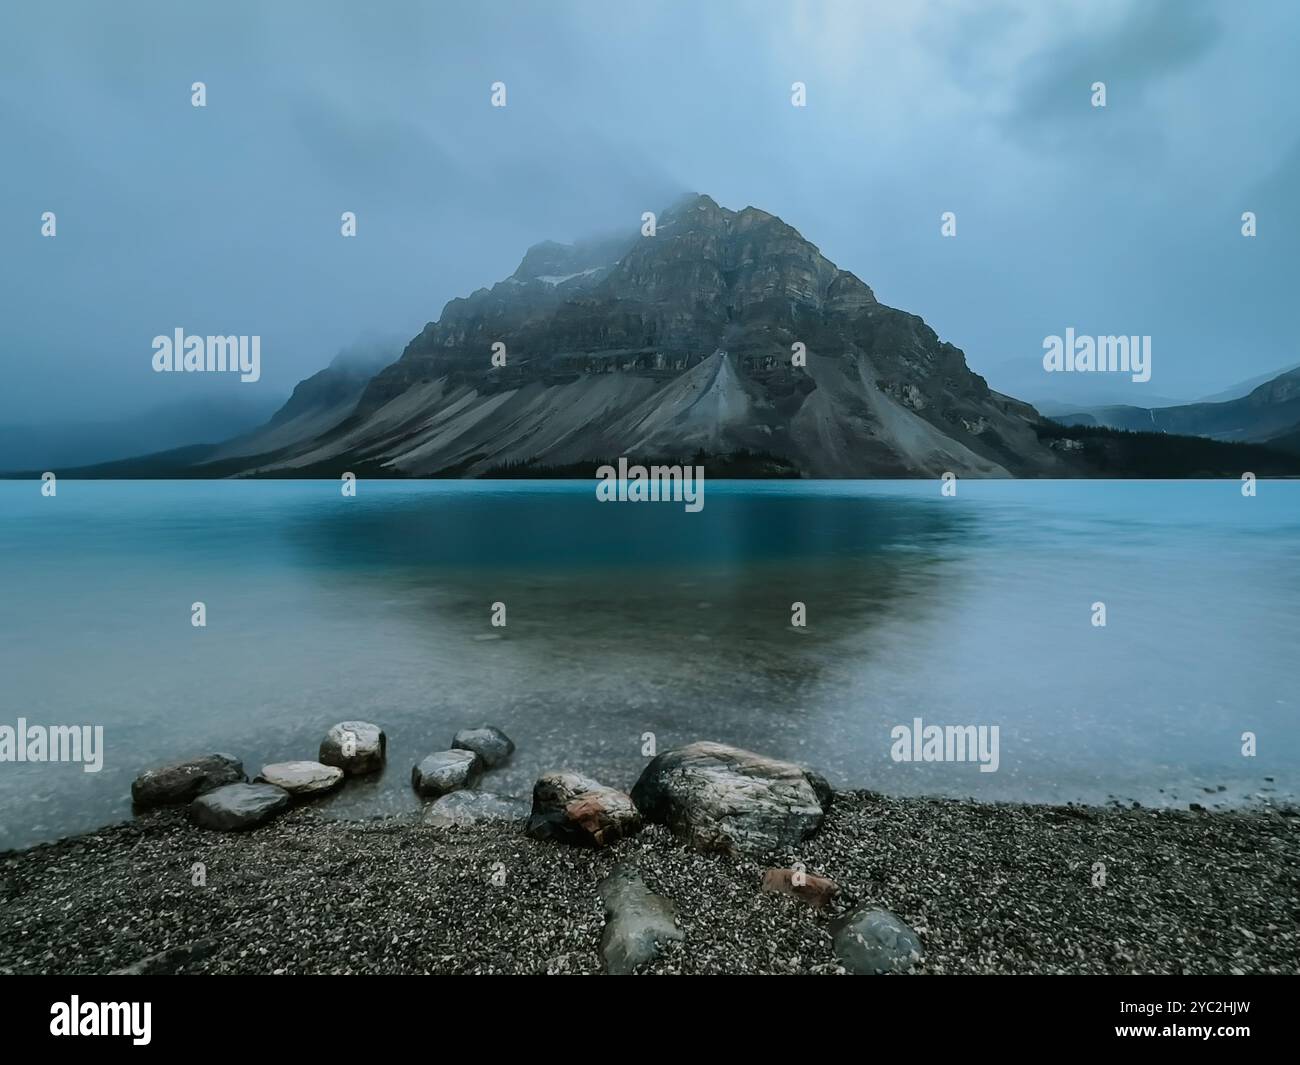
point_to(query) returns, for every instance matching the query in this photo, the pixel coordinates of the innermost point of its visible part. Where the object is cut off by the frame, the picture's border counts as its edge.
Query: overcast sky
(225, 219)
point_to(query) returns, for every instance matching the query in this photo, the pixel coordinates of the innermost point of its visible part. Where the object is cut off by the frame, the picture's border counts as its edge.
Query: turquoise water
(628, 618)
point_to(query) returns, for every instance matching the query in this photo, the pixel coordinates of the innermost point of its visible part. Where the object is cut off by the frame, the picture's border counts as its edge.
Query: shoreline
(987, 887)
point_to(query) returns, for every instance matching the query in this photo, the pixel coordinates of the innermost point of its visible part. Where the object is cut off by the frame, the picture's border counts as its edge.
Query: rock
(723, 798)
(356, 747)
(238, 806)
(302, 779)
(185, 781)
(487, 741)
(445, 771)
(171, 960)
(870, 942)
(571, 808)
(817, 891)
(472, 807)
(636, 921)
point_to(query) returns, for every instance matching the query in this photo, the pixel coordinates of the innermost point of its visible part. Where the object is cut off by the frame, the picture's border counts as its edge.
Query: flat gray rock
(637, 921)
(170, 960)
(356, 747)
(724, 798)
(444, 771)
(302, 778)
(873, 942)
(488, 742)
(473, 807)
(183, 781)
(238, 806)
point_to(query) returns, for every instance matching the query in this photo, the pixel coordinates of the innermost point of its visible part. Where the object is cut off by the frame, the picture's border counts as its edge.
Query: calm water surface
(628, 618)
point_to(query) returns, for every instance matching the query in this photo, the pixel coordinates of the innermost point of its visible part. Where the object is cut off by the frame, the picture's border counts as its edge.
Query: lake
(630, 618)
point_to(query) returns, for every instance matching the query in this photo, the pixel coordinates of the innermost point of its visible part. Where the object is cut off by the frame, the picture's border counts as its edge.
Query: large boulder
(723, 798)
(488, 742)
(473, 807)
(356, 747)
(873, 942)
(184, 781)
(444, 771)
(571, 808)
(302, 779)
(637, 921)
(238, 806)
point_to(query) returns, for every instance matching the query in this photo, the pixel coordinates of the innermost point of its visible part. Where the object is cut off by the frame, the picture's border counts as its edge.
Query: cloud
(1151, 42)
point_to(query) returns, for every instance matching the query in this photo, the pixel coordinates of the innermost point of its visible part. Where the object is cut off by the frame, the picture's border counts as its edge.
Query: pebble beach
(986, 888)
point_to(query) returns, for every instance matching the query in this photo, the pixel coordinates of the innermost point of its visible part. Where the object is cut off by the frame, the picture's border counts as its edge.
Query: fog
(225, 219)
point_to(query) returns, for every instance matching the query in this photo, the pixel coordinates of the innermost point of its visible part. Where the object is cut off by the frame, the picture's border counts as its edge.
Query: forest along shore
(973, 887)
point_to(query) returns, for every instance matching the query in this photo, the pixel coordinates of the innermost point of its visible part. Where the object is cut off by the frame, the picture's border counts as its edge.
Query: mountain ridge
(1269, 411)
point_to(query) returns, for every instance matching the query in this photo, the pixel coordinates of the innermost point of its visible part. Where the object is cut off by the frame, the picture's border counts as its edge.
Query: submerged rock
(725, 798)
(872, 942)
(488, 742)
(356, 747)
(472, 807)
(184, 781)
(301, 778)
(571, 808)
(238, 806)
(636, 921)
(445, 771)
(817, 891)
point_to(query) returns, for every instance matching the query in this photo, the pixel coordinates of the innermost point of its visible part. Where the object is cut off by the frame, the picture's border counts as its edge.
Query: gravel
(988, 889)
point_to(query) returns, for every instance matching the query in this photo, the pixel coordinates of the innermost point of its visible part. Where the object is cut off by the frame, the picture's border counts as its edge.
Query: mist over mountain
(194, 419)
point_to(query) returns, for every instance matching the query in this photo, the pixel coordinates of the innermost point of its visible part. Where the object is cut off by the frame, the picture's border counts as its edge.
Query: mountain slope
(1245, 388)
(318, 404)
(666, 345)
(1268, 411)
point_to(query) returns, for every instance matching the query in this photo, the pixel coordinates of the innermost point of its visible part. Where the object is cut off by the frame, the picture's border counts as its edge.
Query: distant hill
(1244, 388)
(1268, 411)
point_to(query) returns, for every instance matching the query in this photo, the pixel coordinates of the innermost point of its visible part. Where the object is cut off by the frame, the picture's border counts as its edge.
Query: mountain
(1266, 412)
(1244, 388)
(664, 347)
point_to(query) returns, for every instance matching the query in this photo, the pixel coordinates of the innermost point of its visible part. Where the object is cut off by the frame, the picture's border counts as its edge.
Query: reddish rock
(571, 808)
(817, 891)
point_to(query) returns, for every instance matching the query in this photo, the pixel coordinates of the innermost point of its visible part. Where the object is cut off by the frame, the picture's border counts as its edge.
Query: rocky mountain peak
(649, 344)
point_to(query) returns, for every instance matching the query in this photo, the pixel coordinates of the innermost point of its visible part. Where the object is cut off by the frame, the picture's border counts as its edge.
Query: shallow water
(625, 618)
